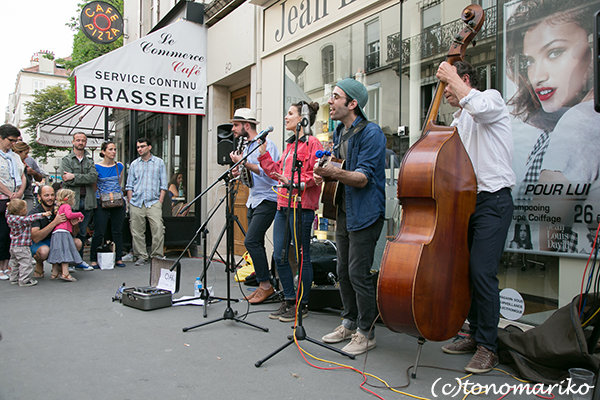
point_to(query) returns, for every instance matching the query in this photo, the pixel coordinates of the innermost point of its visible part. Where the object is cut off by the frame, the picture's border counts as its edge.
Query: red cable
(586, 268)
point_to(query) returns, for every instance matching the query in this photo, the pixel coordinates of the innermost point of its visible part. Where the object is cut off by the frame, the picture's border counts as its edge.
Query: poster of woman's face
(549, 70)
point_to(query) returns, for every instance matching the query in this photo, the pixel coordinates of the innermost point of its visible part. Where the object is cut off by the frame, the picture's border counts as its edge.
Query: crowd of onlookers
(51, 225)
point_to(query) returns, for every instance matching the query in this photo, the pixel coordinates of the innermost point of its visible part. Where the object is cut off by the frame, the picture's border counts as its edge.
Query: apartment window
(485, 4)
(431, 16)
(38, 85)
(373, 45)
(328, 64)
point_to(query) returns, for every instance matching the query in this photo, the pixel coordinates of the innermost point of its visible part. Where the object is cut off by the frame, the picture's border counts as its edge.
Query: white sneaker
(140, 262)
(127, 257)
(359, 344)
(340, 333)
(3, 277)
(30, 282)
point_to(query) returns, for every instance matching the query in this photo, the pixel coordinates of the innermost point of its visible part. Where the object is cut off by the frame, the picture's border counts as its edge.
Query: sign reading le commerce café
(164, 71)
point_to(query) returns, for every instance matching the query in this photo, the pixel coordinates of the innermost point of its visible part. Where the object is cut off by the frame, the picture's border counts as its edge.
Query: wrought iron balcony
(436, 40)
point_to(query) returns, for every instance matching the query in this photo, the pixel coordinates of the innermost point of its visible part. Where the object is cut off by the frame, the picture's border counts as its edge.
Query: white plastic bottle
(197, 287)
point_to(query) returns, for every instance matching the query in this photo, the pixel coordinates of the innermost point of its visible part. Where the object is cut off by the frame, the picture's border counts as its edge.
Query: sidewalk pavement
(68, 340)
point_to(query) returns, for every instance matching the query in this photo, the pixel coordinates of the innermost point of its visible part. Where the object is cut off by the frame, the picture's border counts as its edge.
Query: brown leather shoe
(261, 295)
(251, 295)
(461, 346)
(483, 361)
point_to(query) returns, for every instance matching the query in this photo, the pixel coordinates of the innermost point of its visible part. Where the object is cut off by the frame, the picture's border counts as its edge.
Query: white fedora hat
(244, 115)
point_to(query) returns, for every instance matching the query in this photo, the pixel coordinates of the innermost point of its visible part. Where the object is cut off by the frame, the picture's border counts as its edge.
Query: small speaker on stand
(225, 144)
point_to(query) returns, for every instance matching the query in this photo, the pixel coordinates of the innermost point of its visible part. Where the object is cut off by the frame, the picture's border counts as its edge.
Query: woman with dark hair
(282, 171)
(521, 238)
(110, 175)
(549, 58)
(176, 188)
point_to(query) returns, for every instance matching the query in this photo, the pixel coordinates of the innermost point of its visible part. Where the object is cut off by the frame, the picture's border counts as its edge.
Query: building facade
(268, 54)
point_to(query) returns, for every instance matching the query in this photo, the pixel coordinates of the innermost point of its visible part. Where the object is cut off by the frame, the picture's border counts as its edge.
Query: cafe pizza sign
(101, 22)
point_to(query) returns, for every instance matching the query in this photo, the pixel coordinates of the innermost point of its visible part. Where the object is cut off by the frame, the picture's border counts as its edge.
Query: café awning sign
(164, 71)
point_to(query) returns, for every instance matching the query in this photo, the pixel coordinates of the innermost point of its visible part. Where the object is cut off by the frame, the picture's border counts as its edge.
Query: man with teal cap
(360, 214)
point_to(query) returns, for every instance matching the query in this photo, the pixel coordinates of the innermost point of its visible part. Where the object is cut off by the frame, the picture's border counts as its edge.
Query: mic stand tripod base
(300, 334)
(228, 314)
(205, 295)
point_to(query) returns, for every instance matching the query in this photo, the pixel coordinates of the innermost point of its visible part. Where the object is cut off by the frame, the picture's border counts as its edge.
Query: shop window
(353, 51)
(328, 64)
(373, 45)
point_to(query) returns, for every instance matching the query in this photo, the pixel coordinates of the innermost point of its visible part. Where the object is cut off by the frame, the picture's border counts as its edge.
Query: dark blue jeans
(259, 221)
(87, 216)
(488, 227)
(355, 253)
(286, 277)
(101, 215)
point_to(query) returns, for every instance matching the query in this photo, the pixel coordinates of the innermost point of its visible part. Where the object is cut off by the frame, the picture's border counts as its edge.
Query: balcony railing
(437, 39)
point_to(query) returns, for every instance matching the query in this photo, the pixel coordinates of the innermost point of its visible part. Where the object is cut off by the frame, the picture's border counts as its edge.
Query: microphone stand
(228, 314)
(299, 331)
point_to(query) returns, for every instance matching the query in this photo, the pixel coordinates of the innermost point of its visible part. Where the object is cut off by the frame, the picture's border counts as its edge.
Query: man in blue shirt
(146, 189)
(262, 201)
(360, 211)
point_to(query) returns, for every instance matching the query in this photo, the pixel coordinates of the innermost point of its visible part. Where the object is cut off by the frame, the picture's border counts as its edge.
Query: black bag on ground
(545, 353)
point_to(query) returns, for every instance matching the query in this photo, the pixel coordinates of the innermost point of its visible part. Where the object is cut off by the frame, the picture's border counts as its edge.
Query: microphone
(287, 186)
(306, 118)
(263, 135)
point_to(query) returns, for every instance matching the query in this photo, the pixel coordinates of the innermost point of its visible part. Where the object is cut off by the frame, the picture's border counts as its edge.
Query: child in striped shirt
(20, 240)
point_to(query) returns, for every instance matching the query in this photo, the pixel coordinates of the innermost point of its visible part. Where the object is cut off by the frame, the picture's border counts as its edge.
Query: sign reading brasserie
(101, 22)
(164, 71)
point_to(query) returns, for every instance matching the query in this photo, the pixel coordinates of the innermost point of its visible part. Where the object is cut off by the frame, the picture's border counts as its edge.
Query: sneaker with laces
(140, 262)
(30, 282)
(483, 361)
(127, 257)
(339, 334)
(359, 344)
(283, 308)
(290, 314)
(461, 346)
(84, 267)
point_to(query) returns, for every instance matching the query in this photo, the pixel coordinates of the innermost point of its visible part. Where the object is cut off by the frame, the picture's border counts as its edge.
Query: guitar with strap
(423, 287)
(332, 188)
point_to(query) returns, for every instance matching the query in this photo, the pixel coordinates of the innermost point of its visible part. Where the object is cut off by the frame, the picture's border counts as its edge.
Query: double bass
(423, 286)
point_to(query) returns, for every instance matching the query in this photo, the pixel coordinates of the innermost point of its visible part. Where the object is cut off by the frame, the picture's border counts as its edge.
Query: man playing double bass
(360, 212)
(484, 127)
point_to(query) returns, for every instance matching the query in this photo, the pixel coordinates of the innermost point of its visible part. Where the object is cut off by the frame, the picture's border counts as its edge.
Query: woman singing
(282, 171)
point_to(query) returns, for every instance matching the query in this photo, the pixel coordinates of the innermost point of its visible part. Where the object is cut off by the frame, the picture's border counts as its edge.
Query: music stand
(299, 331)
(228, 314)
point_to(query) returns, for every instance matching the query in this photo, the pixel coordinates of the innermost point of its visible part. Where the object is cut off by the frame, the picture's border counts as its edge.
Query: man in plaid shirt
(20, 240)
(146, 189)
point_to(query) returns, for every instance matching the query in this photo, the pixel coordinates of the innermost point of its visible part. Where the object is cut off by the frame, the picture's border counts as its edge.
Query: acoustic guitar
(331, 192)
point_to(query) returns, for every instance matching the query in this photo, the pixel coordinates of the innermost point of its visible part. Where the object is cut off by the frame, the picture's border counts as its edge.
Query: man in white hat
(262, 201)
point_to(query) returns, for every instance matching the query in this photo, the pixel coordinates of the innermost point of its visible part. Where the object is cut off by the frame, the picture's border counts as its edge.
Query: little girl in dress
(62, 247)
